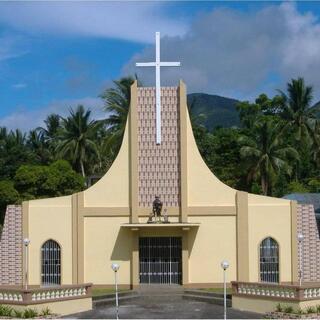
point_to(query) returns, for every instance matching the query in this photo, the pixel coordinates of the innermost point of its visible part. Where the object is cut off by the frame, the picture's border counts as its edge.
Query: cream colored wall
(204, 188)
(50, 219)
(258, 305)
(112, 190)
(104, 243)
(214, 241)
(269, 217)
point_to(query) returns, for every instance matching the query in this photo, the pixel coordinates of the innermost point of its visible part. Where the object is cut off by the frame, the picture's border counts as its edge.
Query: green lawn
(100, 292)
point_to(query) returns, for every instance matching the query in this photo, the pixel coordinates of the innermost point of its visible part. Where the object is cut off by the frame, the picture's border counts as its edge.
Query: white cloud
(134, 21)
(11, 46)
(240, 54)
(25, 119)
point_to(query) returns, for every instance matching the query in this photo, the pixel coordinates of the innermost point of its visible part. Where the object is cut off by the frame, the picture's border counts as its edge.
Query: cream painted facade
(103, 224)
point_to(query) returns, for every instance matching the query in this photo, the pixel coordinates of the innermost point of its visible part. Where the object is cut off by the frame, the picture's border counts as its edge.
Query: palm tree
(300, 118)
(13, 152)
(77, 138)
(117, 103)
(265, 153)
(39, 147)
(52, 126)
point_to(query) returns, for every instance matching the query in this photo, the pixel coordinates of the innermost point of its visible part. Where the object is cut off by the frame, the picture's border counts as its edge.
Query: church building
(75, 239)
(161, 214)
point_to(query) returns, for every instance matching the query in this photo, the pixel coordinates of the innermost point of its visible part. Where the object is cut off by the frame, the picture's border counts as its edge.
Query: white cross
(158, 64)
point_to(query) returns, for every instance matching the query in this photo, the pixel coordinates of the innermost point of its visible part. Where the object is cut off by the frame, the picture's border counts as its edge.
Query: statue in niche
(157, 208)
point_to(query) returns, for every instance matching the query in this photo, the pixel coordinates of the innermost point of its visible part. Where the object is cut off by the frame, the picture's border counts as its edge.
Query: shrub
(288, 309)
(45, 312)
(318, 308)
(299, 311)
(17, 313)
(5, 311)
(311, 310)
(279, 308)
(30, 313)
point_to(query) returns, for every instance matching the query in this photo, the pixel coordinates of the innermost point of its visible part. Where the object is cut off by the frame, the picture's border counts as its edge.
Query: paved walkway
(164, 307)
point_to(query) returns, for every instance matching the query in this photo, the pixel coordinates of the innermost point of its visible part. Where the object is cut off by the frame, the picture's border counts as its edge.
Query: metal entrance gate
(160, 260)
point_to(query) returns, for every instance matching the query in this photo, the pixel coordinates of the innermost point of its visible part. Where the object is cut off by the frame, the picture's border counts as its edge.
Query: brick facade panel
(307, 225)
(11, 247)
(159, 165)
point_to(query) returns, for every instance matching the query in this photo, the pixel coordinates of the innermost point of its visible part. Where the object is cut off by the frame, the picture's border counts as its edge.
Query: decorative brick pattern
(11, 247)
(159, 165)
(307, 225)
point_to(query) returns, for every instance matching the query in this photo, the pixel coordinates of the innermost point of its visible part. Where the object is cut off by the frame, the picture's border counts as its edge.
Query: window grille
(269, 261)
(50, 263)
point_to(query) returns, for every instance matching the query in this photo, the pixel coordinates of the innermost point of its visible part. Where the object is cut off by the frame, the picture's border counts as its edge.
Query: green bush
(30, 313)
(311, 310)
(5, 311)
(288, 309)
(45, 312)
(318, 308)
(17, 313)
(299, 311)
(279, 308)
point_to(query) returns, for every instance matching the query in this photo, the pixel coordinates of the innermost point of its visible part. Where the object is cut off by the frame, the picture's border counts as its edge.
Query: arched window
(269, 260)
(50, 263)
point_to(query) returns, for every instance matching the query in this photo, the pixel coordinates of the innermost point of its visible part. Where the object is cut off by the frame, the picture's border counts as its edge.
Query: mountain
(217, 111)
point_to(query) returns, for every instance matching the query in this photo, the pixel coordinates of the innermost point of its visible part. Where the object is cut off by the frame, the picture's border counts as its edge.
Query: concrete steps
(111, 298)
(178, 292)
(205, 293)
(206, 296)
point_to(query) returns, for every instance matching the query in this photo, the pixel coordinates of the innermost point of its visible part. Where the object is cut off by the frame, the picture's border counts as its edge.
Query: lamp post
(26, 243)
(224, 266)
(300, 241)
(115, 267)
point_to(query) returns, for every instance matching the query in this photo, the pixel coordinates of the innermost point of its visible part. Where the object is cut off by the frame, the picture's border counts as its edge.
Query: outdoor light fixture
(300, 240)
(224, 266)
(26, 243)
(300, 237)
(115, 267)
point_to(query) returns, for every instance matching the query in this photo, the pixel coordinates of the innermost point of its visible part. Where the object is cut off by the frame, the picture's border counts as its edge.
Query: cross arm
(169, 64)
(145, 64)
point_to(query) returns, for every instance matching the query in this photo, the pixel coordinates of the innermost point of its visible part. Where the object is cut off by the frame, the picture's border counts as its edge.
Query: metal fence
(160, 260)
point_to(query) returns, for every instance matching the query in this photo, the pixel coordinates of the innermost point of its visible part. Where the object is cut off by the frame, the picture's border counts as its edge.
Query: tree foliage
(77, 138)
(8, 195)
(274, 151)
(39, 181)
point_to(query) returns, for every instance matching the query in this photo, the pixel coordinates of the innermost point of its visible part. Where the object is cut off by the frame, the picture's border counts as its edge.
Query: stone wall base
(266, 305)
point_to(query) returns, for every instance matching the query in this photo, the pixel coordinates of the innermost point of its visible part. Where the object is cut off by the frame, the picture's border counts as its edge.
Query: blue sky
(55, 55)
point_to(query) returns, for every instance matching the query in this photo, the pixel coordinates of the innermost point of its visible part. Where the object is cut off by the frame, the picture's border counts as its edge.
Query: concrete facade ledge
(136, 226)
